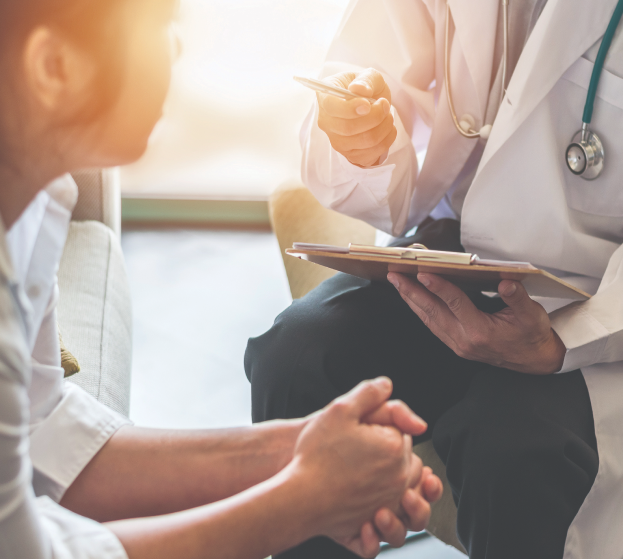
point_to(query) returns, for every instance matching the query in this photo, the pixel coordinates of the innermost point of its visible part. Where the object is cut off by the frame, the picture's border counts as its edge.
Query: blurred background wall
(231, 123)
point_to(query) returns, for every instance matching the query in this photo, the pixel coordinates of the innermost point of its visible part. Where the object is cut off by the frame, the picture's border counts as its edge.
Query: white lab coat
(66, 427)
(523, 203)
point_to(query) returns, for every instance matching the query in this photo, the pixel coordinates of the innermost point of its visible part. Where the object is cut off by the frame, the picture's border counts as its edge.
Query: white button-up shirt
(49, 430)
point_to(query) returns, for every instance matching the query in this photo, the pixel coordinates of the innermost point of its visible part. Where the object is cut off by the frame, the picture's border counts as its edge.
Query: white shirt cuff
(67, 440)
(376, 178)
(584, 337)
(74, 537)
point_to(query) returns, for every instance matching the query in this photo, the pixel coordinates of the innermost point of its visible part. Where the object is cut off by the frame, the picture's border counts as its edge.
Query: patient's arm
(344, 471)
(147, 472)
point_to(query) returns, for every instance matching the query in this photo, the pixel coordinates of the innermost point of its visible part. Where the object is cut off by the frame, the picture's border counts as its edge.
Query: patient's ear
(58, 73)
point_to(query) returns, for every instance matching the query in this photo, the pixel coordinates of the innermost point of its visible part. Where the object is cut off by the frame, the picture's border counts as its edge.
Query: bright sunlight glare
(232, 118)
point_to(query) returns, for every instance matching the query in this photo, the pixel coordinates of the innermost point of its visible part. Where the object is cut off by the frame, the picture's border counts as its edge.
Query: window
(231, 122)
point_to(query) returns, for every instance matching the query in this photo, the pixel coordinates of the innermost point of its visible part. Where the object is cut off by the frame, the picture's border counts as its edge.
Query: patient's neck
(19, 184)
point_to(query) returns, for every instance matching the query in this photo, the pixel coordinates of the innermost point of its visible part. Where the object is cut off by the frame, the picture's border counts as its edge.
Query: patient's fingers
(392, 530)
(432, 489)
(399, 415)
(417, 509)
(370, 541)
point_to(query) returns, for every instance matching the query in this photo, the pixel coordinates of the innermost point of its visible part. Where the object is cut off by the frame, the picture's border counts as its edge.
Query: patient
(83, 85)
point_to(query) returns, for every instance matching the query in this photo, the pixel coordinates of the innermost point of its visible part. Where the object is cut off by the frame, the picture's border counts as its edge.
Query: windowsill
(215, 213)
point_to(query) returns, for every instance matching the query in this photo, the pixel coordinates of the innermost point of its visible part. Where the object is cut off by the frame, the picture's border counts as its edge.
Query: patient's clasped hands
(358, 451)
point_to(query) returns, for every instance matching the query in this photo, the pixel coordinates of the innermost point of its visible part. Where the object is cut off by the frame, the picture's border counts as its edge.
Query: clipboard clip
(414, 252)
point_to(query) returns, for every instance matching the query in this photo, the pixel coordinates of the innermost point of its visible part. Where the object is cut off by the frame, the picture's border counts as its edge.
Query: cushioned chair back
(99, 197)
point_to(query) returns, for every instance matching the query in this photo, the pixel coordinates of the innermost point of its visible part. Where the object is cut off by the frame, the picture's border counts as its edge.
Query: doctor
(524, 395)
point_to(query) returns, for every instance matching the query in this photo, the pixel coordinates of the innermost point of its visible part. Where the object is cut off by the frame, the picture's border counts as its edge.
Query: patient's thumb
(369, 396)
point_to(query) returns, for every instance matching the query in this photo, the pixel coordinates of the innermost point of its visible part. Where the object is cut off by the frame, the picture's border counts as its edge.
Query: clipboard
(465, 270)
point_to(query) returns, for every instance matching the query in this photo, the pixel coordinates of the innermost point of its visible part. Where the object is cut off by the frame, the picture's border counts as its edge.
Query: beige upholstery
(99, 198)
(298, 217)
(94, 308)
(94, 313)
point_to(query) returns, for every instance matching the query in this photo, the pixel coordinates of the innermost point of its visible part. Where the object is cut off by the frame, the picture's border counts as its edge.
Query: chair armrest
(99, 197)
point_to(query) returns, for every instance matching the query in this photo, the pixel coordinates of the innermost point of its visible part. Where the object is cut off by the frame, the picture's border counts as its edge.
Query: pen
(323, 87)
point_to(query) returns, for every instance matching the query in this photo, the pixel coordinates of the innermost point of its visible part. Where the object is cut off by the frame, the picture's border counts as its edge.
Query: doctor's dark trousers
(520, 450)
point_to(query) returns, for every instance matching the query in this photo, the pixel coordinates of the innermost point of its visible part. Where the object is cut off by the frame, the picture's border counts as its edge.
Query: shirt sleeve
(396, 38)
(32, 529)
(68, 426)
(76, 537)
(64, 443)
(592, 330)
(20, 528)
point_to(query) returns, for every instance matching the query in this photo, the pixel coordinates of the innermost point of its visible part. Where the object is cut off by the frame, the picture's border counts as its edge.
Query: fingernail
(424, 279)
(362, 84)
(363, 109)
(510, 290)
(394, 281)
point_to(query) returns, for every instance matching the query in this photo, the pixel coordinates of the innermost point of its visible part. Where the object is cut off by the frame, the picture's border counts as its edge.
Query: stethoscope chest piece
(585, 155)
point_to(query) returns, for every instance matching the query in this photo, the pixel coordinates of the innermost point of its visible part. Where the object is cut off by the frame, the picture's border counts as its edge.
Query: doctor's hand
(519, 337)
(360, 131)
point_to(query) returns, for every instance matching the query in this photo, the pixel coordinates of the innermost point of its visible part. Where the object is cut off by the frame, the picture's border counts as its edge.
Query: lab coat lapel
(476, 30)
(472, 80)
(564, 32)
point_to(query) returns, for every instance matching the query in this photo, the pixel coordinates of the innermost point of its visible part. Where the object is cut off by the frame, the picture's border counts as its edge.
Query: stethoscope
(585, 155)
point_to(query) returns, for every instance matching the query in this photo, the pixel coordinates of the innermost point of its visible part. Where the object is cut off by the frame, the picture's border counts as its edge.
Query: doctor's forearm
(147, 472)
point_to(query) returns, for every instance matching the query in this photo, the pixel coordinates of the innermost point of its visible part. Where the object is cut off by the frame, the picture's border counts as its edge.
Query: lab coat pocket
(604, 195)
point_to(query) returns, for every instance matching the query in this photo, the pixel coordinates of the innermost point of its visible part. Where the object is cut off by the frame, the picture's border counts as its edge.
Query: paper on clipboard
(473, 274)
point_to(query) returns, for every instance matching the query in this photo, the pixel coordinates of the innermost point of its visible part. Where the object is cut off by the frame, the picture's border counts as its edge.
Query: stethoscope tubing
(599, 62)
(585, 155)
(469, 133)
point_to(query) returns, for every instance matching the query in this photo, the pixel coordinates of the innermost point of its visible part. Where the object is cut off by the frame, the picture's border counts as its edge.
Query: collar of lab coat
(564, 32)
(476, 30)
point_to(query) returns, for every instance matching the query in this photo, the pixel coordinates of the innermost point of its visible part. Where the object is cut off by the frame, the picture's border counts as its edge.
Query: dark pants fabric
(520, 450)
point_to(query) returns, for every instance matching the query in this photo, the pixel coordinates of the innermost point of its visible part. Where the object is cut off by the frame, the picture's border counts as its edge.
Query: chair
(296, 216)
(94, 308)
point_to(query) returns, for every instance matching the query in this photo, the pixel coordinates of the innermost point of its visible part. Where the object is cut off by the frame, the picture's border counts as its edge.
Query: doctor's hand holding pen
(361, 130)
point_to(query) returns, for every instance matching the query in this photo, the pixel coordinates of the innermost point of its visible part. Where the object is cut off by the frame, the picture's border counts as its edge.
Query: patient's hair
(94, 25)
